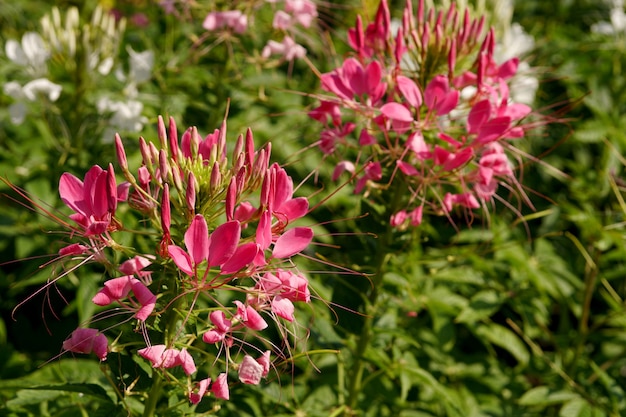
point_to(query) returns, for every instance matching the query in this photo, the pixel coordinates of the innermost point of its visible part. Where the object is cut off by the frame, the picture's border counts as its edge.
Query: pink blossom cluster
(428, 107)
(216, 224)
(294, 15)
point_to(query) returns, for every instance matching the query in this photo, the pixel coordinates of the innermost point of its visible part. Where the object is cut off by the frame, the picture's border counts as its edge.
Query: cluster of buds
(217, 227)
(294, 15)
(427, 107)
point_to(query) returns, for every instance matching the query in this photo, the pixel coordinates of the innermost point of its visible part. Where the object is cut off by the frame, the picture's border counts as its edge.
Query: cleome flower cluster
(424, 104)
(222, 235)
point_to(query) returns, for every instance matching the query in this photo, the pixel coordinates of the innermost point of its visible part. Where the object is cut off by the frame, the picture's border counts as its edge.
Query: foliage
(516, 314)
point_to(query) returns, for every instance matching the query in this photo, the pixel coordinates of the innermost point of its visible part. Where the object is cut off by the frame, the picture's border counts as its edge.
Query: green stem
(171, 321)
(154, 395)
(383, 250)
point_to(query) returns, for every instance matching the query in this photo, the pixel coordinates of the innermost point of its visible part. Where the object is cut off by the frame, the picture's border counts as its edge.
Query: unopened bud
(231, 200)
(166, 213)
(173, 139)
(164, 166)
(190, 193)
(161, 132)
(216, 177)
(121, 153)
(146, 155)
(249, 148)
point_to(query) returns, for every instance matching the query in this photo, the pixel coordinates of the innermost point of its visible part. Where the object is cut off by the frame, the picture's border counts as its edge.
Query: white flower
(141, 64)
(33, 88)
(32, 52)
(126, 115)
(617, 22)
(31, 91)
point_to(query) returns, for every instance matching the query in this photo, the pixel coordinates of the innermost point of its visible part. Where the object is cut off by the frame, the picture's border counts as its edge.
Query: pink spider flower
(217, 249)
(352, 79)
(162, 357)
(231, 19)
(374, 38)
(136, 265)
(288, 49)
(249, 316)
(196, 395)
(280, 290)
(221, 329)
(117, 289)
(94, 199)
(86, 341)
(220, 387)
(252, 370)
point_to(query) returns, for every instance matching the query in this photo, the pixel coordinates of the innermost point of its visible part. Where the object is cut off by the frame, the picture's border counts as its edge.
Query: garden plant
(306, 208)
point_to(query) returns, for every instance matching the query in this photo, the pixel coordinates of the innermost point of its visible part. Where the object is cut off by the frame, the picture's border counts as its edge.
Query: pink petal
(212, 336)
(295, 286)
(186, 361)
(294, 209)
(103, 298)
(407, 169)
(283, 307)
(396, 111)
(152, 353)
(493, 130)
(218, 318)
(341, 167)
(373, 73)
(243, 256)
(264, 230)
(292, 241)
(87, 341)
(366, 138)
(197, 239)
(119, 288)
(264, 361)
(181, 259)
(417, 144)
(71, 192)
(220, 387)
(145, 298)
(409, 90)
(508, 69)
(250, 371)
(202, 385)
(223, 242)
(99, 196)
(478, 116)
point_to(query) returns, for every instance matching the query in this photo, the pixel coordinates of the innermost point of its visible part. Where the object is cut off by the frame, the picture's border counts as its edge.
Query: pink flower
(220, 387)
(87, 341)
(250, 317)
(232, 19)
(162, 357)
(222, 327)
(438, 96)
(217, 249)
(288, 48)
(94, 200)
(117, 289)
(201, 386)
(353, 79)
(250, 371)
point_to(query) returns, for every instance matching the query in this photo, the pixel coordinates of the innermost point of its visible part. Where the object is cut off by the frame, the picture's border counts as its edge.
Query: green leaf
(481, 306)
(91, 390)
(506, 339)
(576, 408)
